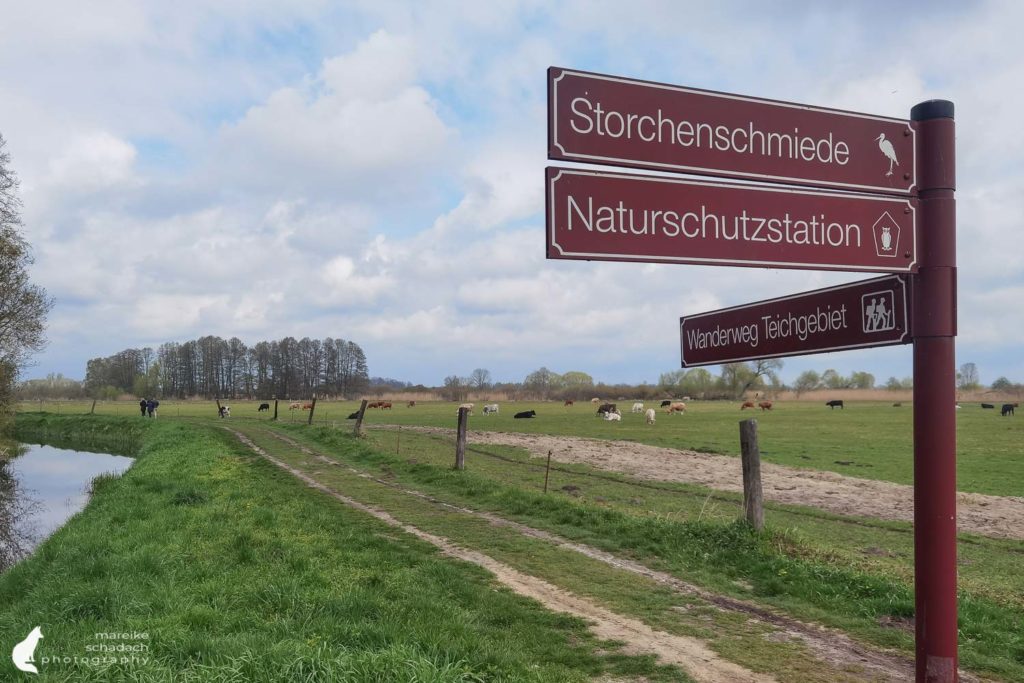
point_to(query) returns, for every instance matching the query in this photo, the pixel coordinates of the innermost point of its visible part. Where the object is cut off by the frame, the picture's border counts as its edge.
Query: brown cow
(747, 404)
(374, 404)
(307, 406)
(676, 408)
(765, 405)
(385, 405)
(411, 404)
(568, 402)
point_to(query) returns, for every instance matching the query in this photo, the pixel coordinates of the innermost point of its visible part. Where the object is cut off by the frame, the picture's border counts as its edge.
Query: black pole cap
(932, 109)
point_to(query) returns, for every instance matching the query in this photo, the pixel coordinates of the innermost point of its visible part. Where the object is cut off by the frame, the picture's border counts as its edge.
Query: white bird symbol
(888, 151)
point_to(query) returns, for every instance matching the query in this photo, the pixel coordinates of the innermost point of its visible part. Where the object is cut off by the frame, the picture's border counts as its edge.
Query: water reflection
(41, 487)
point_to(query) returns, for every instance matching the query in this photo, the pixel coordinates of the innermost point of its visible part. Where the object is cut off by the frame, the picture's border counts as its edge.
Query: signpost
(618, 217)
(602, 119)
(907, 224)
(854, 316)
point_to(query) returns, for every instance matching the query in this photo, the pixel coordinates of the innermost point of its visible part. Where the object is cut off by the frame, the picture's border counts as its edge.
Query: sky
(374, 171)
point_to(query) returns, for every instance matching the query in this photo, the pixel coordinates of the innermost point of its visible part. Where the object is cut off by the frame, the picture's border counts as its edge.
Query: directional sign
(854, 316)
(618, 217)
(610, 120)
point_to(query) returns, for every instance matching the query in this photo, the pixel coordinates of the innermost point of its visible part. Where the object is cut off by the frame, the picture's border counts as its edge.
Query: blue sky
(373, 170)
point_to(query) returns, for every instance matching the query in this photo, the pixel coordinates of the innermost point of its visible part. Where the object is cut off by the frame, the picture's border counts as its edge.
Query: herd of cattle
(608, 411)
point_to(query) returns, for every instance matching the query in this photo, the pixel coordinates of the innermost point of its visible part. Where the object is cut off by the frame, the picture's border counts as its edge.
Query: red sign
(599, 216)
(855, 316)
(610, 120)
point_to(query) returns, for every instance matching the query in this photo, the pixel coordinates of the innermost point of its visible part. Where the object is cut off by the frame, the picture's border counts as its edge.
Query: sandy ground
(996, 516)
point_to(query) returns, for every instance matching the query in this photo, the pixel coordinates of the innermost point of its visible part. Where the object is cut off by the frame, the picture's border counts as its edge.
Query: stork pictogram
(888, 151)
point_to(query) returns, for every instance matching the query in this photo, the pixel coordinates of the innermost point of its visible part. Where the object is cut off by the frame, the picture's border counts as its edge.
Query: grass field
(875, 439)
(853, 574)
(238, 572)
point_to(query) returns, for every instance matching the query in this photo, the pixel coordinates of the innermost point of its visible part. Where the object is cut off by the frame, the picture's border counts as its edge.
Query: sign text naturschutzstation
(623, 217)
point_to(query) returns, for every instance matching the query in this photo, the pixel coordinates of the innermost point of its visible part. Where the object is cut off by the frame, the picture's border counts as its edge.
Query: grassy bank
(233, 570)
(815, 566)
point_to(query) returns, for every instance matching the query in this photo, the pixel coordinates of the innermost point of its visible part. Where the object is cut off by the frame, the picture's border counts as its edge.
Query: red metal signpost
(860, 315)
(618, 217)
(602, 119)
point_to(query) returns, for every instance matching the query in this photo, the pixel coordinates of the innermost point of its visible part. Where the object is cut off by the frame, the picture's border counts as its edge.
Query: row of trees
(212, 367)
(23, 305)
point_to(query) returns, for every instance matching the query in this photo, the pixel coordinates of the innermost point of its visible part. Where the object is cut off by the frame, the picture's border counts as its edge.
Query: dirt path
(827, 645)
(995, 516)
(689, 653)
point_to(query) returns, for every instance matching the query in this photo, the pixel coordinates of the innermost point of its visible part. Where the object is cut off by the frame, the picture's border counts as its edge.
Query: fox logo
(24, 653)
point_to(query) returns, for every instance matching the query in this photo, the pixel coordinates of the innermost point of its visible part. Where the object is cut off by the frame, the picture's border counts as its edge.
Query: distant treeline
(211, 367)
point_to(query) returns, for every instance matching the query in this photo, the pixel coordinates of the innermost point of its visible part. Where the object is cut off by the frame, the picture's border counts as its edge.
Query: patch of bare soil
(996, 516)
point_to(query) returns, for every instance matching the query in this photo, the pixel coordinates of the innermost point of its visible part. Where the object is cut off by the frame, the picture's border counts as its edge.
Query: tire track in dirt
(828, 645)
(690, 654)
(977, 513)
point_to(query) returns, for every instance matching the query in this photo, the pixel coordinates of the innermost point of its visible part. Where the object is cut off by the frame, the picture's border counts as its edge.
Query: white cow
(490, 408)
(613, 417)
(638, 407)
(650, 416)
(467, 406)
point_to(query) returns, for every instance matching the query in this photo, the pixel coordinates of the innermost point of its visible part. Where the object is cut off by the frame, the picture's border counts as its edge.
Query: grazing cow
(595, 401)
(294, 405)
(307, 406)
(225, 411)
(467, 406)
(687, 398)
(385, 405)
(1007, 409)
(491, 408)
(525, 414)
(765, 405)
(263, 406)
(897, 405)
(649, 415)
(665, 403)
(612, 417)
(606, 408)
(374, 404)
(747, 404)
(676, 407)
(987, 406)
(410, 404)
(834, 404)
(568, 402)
(638, 407)
(353, 416)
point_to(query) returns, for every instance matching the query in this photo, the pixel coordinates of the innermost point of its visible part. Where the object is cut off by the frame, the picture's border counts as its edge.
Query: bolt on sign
(593, 215)
(860, 315)
(601, 119)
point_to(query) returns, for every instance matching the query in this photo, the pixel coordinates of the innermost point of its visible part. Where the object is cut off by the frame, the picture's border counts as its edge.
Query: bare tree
(480, 379)
(23, 305)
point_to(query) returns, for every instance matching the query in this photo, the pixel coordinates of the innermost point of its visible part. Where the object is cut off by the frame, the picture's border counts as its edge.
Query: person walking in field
(151, 405)
(143, 404)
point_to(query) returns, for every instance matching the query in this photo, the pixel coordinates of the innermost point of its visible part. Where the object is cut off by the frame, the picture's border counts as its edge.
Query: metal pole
(934, 329)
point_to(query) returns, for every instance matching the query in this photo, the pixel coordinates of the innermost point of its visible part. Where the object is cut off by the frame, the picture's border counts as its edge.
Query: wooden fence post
(220, 411)
(359, 418)
(311, 409)
(547, 471)
(753, 499)
(92, 411)
(460, 440)
(275, 410)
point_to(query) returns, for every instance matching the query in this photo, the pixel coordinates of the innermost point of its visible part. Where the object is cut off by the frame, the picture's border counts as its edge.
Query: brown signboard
(854, 316)
(593, 215)
(603, 119)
